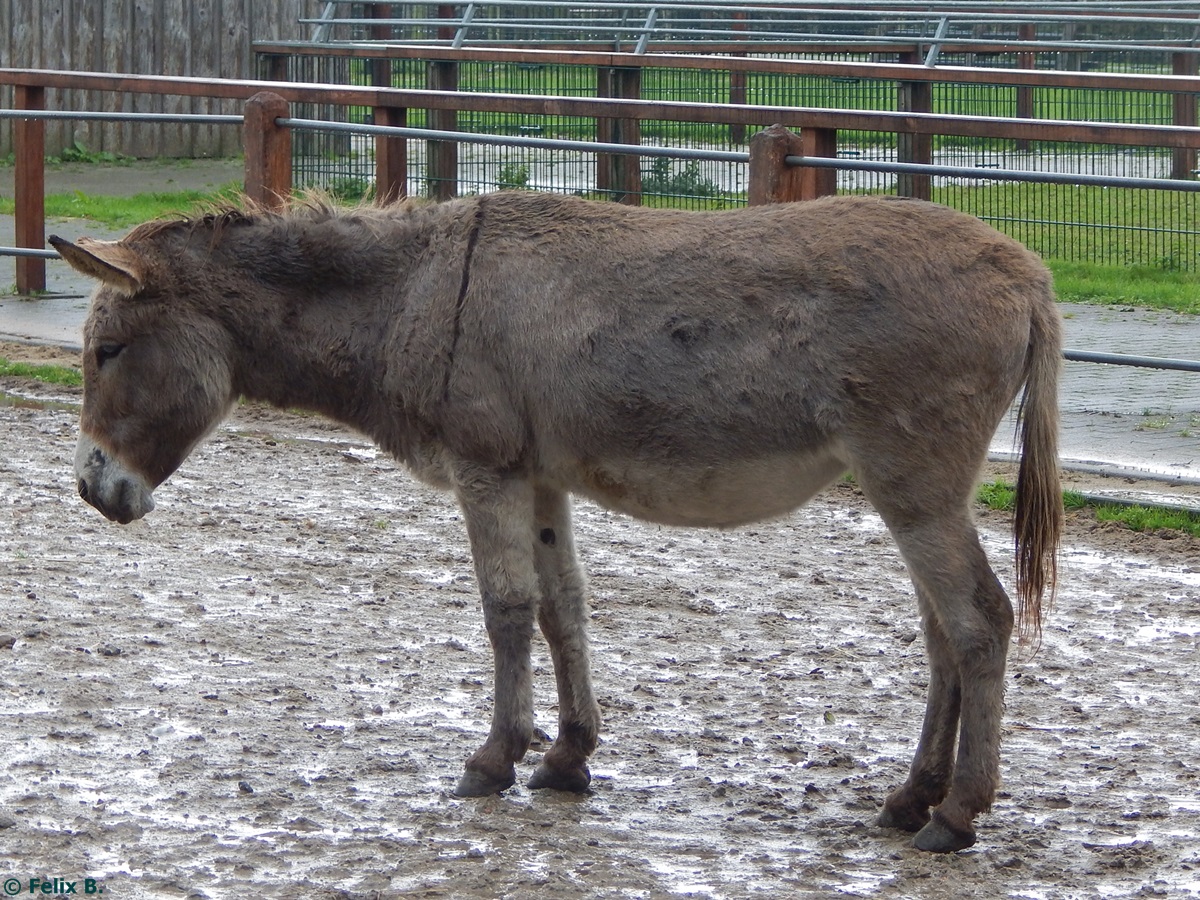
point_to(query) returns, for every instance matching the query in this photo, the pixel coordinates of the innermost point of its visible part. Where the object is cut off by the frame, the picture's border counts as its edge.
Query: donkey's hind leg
(928, 781)
(562, 616)
(970, 618)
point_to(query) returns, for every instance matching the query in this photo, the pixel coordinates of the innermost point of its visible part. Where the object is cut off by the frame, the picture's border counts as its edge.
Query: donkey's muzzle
(102, 481)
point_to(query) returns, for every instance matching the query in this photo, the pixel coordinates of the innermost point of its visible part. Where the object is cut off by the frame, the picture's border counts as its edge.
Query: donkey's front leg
(562, 616)
(499, 516)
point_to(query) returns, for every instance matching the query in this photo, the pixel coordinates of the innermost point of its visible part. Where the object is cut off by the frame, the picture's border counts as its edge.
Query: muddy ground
(268, 687)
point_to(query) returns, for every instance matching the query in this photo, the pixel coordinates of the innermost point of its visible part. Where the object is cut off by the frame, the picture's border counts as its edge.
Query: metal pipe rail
(829, 42)
(747, 23)
(899, 168)
(28, 251)
(736, 156)
(1123, 359)
(161, 118)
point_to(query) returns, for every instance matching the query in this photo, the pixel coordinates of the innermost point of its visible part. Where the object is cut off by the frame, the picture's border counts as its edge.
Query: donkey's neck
(326, 315)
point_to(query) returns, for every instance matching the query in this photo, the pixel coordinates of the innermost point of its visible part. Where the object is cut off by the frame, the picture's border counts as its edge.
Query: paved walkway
(55, 318)
(1115, 418)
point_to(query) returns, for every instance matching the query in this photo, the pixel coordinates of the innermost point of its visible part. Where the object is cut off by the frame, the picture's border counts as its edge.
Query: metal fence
(304, 126)
(1081, 32)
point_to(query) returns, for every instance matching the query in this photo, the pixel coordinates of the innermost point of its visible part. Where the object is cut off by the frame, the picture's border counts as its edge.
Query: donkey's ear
(116, 264)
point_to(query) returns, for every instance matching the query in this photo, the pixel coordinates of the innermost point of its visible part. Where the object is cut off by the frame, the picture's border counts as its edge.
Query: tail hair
(1038, 519)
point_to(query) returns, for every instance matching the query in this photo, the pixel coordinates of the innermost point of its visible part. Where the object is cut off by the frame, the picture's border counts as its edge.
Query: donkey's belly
(719, 496)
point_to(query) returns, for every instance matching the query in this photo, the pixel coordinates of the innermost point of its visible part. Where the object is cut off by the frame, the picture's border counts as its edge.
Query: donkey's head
(157, 371)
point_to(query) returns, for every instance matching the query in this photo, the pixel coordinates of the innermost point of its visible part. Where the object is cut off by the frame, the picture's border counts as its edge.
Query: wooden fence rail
(621, 74)
(268, 163)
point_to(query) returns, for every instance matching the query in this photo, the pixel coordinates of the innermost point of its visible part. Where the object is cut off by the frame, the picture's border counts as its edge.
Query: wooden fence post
(1183, 159)
(771, 179)
(737, 78)
(441, 157)
(29, 145)
(381, 68)
(391, 156)
(815, 182)
(1026, 59)
(914, 96)
(268, 150)
(619, 174)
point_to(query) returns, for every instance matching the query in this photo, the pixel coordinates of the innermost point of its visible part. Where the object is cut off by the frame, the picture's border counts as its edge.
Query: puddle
(38, 402)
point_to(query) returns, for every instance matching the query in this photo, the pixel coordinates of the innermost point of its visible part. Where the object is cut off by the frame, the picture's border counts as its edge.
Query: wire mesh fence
(1110, 226)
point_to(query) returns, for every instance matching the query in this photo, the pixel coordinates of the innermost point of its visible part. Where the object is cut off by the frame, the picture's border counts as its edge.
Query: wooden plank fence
(205, 38)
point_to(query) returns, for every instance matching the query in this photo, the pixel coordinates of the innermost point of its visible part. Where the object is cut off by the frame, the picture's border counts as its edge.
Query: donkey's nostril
(83, 489)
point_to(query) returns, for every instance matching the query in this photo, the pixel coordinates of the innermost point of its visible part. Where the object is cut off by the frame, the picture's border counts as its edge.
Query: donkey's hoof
(939, 837)
(574, 780)
(480, 784)
(906, 818)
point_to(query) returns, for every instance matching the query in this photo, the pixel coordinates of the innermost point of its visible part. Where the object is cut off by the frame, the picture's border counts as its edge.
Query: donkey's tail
(1038, 520)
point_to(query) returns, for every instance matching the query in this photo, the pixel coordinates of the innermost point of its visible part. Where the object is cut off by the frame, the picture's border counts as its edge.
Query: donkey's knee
(978, 635)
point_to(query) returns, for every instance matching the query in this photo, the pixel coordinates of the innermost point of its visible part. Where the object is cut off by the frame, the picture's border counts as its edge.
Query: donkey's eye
(107, 351)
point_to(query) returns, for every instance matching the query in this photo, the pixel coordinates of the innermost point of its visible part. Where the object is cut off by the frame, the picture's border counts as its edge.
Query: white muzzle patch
(121, 495)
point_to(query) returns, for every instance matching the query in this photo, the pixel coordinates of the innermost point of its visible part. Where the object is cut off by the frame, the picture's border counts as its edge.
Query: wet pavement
(1117, 420)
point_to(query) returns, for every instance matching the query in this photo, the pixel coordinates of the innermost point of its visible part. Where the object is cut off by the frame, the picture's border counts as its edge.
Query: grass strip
(1143, 286)
(999, 495)
(125, 212)
(46, 373)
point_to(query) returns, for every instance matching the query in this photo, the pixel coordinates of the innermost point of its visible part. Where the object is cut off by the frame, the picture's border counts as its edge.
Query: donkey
(692, 369)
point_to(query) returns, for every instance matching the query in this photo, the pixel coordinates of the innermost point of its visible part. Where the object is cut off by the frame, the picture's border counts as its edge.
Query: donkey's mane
(311, 206)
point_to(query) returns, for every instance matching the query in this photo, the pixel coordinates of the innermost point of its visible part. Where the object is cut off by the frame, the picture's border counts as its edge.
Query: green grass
(1141, 518)
(1146, 286)
(999, 495)
(48, 374)
(125, 212)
